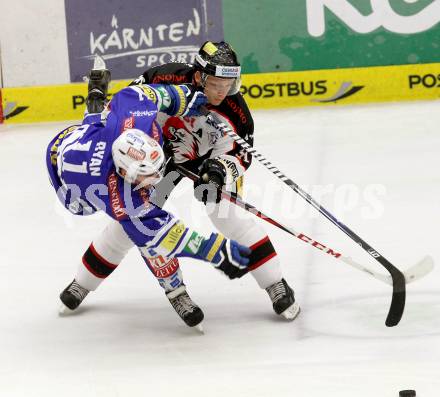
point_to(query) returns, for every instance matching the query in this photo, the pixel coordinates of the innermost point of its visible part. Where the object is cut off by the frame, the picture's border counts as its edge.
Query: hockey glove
(194, 99)
(225, 255)
(211, 180)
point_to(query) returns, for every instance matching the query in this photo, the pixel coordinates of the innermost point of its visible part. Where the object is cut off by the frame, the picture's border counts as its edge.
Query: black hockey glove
(207, 188)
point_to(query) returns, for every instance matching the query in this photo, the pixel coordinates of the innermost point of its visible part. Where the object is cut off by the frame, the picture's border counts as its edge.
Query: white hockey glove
(225, 255)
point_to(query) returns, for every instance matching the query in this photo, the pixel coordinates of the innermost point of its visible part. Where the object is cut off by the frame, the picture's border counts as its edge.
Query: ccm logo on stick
(320, 246)
(428, 80)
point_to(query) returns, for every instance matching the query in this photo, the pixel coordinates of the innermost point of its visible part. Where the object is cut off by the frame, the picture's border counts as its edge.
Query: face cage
(235, 88)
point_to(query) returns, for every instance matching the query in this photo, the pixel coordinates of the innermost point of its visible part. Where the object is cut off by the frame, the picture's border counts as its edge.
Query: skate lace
(183, 304)
(79, 292)
(276, 291)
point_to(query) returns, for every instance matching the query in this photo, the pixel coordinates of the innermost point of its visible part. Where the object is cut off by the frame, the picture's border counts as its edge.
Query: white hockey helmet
(138, 158)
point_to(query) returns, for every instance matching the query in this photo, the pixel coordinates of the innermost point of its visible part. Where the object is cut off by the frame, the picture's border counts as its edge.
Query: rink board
(262, 91)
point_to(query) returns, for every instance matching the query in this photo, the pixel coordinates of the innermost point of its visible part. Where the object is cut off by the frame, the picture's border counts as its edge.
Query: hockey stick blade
(413, 273)
(397, 306)
(419, 270)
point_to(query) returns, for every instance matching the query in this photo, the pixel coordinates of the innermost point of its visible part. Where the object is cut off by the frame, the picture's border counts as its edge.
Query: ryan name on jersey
(96, 159)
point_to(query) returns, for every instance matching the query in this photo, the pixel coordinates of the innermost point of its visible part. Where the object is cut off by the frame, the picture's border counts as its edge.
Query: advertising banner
(261, 91)
(299, 35)
(133, 35)
(342, 86)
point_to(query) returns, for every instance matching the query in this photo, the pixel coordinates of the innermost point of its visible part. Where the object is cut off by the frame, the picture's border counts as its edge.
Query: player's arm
(158, 233)
(243, 125)
(137, 106)
(228, 161)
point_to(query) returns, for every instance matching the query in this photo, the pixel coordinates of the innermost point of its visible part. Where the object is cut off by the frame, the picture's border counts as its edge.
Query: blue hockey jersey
(81, 170)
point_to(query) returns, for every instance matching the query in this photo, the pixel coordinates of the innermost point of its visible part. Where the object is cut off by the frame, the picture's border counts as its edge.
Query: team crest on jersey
(184, 143)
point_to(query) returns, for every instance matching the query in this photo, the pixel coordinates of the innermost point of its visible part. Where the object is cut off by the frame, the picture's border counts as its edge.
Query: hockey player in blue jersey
(113, 166)
(198, 146)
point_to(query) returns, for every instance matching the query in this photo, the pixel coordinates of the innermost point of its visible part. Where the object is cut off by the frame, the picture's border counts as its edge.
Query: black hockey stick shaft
(301, 236)
(399, 288)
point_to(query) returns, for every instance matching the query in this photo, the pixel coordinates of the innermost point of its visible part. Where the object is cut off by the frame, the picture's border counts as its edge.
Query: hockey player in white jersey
(199, 147)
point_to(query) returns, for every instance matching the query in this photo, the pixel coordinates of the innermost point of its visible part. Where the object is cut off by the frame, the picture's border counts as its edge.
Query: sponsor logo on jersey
(194, 243)
(173, 237)
(142, 113)
(56, 144)
(232, 167)
(169, 78)
(128, 123)
(237, 110)
(135, 154)
(162, 268)
(149, 93)
(116, 203)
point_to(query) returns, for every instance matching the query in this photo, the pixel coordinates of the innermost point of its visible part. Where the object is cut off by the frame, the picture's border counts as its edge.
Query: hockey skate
(71, 297)
(99, 78)
(283, 300)
(184, 306)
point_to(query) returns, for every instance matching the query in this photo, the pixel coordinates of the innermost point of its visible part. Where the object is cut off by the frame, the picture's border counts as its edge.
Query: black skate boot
(283, 300)
(72, 296)
(188, 311)
(97, 90)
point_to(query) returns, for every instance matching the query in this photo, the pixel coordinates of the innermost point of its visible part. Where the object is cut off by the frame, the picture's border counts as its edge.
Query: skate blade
(99, 63)
(199, 328)
(63, 310)
(291, 312)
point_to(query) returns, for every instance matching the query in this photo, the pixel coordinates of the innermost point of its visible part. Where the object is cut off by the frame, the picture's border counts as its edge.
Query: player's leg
(99, 261)
(106, 253)
(170, 278)
(168, 272)
(99, 79)
(264, 262)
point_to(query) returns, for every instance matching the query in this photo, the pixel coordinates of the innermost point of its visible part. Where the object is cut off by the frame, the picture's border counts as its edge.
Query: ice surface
(380, 167)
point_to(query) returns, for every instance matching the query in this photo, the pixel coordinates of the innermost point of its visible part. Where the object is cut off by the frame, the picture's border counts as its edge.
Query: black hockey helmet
(219, 60)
